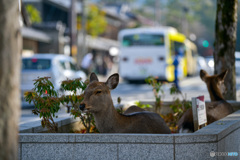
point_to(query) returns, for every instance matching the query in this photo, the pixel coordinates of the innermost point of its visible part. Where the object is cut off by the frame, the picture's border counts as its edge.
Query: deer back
(133, 109)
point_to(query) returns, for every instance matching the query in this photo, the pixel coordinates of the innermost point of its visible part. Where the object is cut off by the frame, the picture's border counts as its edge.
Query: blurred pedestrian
(176, 63)
(86, 63)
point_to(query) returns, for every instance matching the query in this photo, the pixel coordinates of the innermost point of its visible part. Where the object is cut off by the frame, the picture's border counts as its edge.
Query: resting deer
(217, 109)
(97, 100)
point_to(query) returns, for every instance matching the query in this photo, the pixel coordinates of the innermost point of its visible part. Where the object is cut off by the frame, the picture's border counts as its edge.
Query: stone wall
(219, 137)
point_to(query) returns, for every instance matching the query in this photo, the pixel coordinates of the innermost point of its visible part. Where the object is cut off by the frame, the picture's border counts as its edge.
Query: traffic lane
(190, 87)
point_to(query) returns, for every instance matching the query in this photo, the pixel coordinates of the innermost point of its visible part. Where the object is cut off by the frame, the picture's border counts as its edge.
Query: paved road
(190, 87)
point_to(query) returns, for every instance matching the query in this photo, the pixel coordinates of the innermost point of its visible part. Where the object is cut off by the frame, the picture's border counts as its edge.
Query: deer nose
(82, 106)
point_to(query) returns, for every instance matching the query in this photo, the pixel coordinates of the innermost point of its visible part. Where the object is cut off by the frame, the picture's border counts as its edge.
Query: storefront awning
(34, 34)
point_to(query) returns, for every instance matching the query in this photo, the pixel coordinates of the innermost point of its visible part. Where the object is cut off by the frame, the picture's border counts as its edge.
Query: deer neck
(215, 93)
(108, 120)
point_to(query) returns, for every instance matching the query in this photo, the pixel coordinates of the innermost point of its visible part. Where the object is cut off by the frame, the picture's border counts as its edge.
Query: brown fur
(98, 101)
(217, 109)
(133, 109)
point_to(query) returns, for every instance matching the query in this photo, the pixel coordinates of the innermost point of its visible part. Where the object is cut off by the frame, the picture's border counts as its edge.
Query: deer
(217, 109)
(98, 101)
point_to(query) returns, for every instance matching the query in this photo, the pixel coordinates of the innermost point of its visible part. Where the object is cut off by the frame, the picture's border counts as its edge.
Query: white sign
(201, 110)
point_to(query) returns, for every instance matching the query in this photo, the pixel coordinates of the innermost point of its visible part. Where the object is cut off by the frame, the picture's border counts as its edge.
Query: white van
(58, 67)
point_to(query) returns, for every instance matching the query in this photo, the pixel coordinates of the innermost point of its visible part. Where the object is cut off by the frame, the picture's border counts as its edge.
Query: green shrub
(157, 90)
(47, 102)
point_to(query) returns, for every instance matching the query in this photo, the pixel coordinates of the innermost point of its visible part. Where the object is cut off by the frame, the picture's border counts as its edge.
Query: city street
(190, 87)
(129, 93)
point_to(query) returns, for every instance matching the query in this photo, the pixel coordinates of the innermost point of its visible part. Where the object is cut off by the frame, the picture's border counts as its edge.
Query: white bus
(150, 52)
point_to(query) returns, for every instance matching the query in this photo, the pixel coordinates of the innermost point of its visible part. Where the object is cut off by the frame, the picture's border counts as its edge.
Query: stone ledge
(196, 145)
(222, 127)
(35, 127)
(210, 133)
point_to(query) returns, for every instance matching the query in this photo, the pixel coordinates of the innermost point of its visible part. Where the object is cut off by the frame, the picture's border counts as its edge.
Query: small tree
(72, 101)
(46, 102)
(96, 21)
(157, 91)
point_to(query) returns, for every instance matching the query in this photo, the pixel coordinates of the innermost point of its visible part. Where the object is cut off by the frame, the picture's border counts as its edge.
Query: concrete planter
(219, 137)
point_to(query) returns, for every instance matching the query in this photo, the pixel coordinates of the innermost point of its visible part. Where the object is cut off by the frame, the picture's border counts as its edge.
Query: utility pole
(185, 11)
(82, 36)
(72, 27)
(156, 13)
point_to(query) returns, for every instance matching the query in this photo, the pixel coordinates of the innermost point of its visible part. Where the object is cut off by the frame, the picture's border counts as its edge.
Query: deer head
(215, 84)
(97, 97)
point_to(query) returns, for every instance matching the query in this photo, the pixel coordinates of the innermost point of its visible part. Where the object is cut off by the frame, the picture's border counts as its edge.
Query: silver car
(58, 67)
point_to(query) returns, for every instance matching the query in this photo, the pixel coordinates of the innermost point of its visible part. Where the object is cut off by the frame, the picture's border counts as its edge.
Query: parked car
(58, 67)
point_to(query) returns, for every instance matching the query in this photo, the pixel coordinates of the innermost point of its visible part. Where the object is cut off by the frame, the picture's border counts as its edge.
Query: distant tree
(225, 33)
(34, 14)
(188, 16)
(96, 21)
(200, 15)
(10, 44)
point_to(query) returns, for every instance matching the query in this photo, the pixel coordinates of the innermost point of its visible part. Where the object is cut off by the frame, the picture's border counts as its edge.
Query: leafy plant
(119, 106)
(45, 101)
(75, 87)
(157, 90)
(178, 107)
(143, 106)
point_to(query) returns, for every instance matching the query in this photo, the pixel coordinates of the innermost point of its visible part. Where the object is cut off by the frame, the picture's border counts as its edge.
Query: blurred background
(98, 35)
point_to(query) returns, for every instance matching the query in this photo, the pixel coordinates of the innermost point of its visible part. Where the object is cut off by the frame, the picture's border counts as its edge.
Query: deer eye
(98, 92)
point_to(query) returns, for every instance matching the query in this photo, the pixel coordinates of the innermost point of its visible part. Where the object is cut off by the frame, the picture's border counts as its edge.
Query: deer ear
(93, 77)
(203, 74)
(222, 75)
(112, 81)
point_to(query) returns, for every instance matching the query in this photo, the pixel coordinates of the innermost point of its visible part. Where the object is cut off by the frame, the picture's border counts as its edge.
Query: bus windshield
(178, 48)
(143, 40)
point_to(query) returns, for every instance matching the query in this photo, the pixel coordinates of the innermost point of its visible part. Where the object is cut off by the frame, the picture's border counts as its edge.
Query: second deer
(98, 101)
(217, 109)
